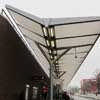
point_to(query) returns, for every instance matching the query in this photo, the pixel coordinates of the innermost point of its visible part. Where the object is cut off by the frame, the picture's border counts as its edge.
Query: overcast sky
(65, 8)
(58, 8)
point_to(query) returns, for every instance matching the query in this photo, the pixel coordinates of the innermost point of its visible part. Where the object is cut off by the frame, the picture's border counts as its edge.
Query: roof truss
(49, 34)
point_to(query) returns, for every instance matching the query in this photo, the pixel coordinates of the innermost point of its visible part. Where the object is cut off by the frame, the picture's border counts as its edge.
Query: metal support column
(51, 81)
(27, 92)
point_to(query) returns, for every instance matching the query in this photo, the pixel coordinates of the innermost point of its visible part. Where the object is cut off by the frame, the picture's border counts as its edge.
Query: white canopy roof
(66, 41)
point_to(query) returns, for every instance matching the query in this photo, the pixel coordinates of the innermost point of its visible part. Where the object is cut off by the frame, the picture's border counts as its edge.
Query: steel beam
(43, 52)
(77, 36)
(62, 74)
(61, 48)
(62, 55)
(70, 23)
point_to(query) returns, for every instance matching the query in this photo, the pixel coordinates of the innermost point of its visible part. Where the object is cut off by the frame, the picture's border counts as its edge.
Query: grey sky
(91, 63)
(65, 8)
(58, 8)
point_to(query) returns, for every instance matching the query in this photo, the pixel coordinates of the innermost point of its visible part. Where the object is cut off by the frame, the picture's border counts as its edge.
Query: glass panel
(76, 41)
(32, 35)
(77, 29)
(40, 57)
(27, 23)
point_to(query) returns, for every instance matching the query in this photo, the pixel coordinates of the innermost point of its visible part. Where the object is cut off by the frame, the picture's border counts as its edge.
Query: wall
(17, 66)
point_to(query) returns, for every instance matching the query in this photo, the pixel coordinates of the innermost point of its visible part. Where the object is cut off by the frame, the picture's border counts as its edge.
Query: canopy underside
(65, 41)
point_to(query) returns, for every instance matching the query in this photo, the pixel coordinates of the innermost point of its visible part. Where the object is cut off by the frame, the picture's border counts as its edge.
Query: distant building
(91, 85)
(88, 86)
(98, 83)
